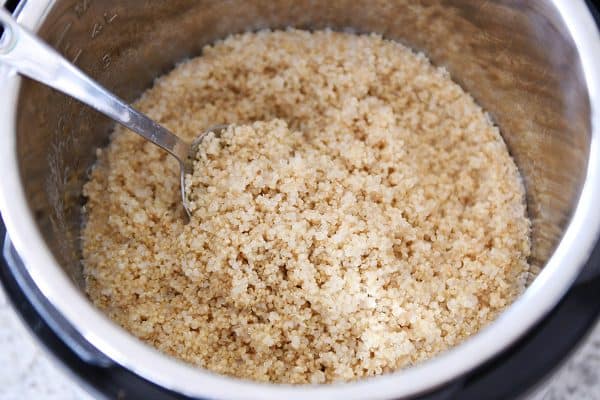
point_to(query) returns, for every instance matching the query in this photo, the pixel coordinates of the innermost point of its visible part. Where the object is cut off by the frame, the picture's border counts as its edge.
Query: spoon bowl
(187, 167)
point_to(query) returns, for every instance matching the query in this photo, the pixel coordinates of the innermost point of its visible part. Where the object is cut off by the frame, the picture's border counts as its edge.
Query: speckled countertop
(27, 373)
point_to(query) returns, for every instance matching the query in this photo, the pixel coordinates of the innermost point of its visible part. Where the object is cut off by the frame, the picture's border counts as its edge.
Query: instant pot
(534, 65)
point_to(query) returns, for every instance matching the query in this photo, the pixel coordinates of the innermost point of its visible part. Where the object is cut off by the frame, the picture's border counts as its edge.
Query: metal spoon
(30, 56)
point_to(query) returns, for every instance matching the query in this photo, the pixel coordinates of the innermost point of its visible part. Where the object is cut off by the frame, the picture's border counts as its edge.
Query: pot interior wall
(515, 58)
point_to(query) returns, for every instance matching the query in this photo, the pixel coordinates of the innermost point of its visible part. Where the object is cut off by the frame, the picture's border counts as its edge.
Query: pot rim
(543, 294)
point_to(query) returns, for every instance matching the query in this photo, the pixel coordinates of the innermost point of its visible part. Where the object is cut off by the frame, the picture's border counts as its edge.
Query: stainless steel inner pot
(532, 65)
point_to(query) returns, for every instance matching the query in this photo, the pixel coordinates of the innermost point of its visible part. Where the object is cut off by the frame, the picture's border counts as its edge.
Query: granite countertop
(27, 373)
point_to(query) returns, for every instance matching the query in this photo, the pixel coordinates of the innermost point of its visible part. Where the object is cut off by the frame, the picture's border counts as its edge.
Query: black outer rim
(108, 381)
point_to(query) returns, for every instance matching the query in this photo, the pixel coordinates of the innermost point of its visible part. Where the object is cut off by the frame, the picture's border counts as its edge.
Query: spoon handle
(30, 56)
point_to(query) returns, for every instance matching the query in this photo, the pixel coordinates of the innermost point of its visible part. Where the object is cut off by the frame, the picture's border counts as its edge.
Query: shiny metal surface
(533, 65)
(31, 57)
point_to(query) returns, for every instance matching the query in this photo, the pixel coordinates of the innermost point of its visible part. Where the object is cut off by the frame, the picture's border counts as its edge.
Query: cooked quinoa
(360, 215)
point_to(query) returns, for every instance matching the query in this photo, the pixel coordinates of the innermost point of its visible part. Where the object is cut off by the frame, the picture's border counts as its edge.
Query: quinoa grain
(362, 213)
